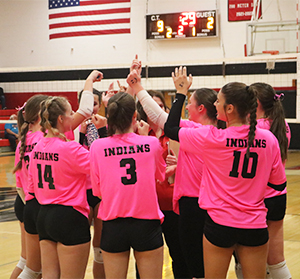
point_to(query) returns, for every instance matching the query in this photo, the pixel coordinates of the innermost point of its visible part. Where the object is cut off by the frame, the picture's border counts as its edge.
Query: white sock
(28, 273)
(279, 271)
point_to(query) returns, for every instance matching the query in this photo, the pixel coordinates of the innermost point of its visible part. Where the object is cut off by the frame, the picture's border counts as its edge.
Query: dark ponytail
(274, 112)
(244, 99)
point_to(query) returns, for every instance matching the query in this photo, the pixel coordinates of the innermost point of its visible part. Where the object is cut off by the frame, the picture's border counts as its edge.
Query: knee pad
(28, 273)
(238, 271)
(279, 271)
(22, 262)
(98, 256)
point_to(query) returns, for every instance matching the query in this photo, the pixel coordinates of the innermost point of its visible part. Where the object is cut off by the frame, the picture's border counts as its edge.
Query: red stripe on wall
(89, 33)
(85, 23)
(100, 2)
(87, 13)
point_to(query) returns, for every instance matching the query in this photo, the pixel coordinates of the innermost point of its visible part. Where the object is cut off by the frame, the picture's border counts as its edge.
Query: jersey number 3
(246, 172)
(47, 176)
(129, 171)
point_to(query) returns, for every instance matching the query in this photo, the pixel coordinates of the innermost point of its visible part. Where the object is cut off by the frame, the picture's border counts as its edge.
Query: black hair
(274, 111)
(243, 98)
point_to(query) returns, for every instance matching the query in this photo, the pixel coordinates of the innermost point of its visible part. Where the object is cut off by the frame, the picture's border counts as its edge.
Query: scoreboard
(193, 24)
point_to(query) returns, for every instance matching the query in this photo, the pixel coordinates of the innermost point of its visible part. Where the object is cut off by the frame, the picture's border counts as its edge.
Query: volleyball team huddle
(222, 193)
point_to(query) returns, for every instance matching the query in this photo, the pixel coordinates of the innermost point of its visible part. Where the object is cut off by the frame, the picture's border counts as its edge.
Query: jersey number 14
(47, 176)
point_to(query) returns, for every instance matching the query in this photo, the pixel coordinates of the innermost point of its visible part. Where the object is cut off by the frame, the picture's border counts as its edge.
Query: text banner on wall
(241, 10)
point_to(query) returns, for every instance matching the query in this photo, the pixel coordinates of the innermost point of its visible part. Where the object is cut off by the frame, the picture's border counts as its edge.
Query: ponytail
(28, 114)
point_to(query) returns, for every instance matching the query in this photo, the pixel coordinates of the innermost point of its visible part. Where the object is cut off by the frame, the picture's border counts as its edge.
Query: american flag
(71, 18)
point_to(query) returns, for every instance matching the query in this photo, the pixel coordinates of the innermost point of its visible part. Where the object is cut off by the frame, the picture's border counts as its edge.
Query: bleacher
(4, 115)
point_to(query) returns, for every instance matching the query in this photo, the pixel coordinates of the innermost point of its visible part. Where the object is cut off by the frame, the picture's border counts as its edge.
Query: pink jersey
(233, 187)
(124, 169)
(188, 173)
(70, 135)
(22, 175)
(265, 124)
(57, 173)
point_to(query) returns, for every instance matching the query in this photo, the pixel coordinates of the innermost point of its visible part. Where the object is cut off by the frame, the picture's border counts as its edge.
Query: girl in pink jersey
(238, 164)
(87, 134)
(270, 116)
(30, 134)
(57, 176)
(189, 171)
(124, 169)
(164, 189)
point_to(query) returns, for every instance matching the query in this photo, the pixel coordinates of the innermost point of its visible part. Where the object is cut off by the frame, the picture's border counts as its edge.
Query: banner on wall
(241, 10)
(73, 18)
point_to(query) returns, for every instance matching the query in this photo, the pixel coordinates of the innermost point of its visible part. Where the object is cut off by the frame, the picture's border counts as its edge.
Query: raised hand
(95, 76)
(122, 88)
(134, 81)
(136, 65)
(108, 94)
(181, 81)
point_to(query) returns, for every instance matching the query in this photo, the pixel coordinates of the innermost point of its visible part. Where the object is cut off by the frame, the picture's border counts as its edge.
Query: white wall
(25, 40)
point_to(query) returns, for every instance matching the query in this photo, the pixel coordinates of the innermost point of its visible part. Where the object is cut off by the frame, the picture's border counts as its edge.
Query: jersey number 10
(245, 172)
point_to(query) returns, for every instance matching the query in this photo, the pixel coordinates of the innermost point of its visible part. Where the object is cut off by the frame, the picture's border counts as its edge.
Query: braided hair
(29, 114)
(51, 109)
(245, 101)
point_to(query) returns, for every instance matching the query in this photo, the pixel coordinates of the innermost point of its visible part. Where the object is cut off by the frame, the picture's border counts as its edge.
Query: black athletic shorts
(120, 234)
(223, 236)
(92, 200)
(276, 207)
(19, 208)
(31, 211)
(63, 224)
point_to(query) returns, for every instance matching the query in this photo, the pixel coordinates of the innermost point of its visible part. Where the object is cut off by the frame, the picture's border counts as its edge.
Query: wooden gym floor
(10, 233)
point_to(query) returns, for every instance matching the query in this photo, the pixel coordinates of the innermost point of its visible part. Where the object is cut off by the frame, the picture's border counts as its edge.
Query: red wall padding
(14, 100)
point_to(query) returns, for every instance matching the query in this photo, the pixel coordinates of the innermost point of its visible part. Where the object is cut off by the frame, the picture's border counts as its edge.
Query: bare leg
(33, 252)
(253, 260)
(98, 267)
(73, 260)
(276, 248)
(50, 263)
(216, 259)
(150, 263)
(115, 264)
(17, 270)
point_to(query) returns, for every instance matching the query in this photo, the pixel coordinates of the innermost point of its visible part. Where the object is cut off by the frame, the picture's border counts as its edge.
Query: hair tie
(20, 108)
(26, 122)
(247, 87)
(279, 97)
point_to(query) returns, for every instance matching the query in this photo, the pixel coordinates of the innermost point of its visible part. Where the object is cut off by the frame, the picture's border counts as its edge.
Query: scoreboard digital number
(182, 25)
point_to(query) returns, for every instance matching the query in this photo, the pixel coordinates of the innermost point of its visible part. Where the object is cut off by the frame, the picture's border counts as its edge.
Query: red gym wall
(14, 100)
